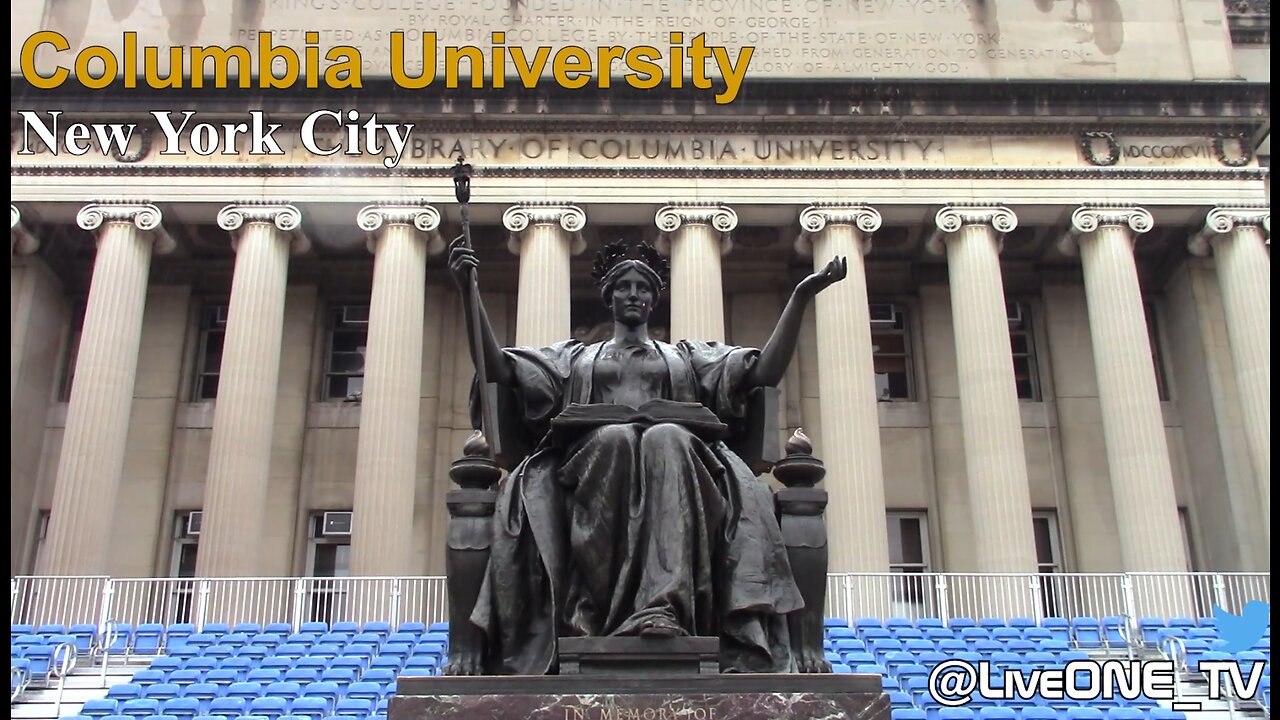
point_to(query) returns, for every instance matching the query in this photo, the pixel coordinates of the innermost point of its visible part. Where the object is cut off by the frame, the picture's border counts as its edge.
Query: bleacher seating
(323, 672)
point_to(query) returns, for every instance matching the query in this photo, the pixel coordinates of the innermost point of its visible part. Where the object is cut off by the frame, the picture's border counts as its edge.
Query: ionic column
(857, 531)
(21, 242)
(1137, 449)
(93, 443)
(244, 416)
(401, 237)
(1239, 237)
(545, 237)
(991, 423)
(696, 237)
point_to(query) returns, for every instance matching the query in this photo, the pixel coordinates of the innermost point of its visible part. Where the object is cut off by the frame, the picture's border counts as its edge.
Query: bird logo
(1241, 632)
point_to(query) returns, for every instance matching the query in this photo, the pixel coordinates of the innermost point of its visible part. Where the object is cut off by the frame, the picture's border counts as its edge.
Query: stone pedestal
(637, 655)
(604, 697)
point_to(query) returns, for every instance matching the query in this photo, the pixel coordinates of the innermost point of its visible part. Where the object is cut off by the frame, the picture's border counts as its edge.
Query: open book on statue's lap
(577, 420)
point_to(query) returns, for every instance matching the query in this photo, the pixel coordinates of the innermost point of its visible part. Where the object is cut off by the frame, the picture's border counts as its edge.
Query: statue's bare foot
(463, 663)
(813, 662)
(660, 627)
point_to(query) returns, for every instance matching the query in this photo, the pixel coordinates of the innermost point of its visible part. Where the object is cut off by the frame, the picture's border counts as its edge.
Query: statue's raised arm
(776, 354)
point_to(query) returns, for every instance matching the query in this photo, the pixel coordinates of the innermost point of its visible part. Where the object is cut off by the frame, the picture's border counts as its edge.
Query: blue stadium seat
(907, 714)
(345, 626)
(161, 691)
(302, 675)
(960, 623)
(1149, 626)
(1163, 713)
(837, 668)
(181, 707)
(401, 636)
(1085, 713)
(287, 690)
(1037, 713)
(246, 690)
(278, 628)
(997, 713)
(377, 627)
(987, 647)
(340, 675)
(227, 707)
(276, 662)
(955, 713)
(124, 691)
(412, 627)
(1036, 634)
(938, 633)
(365, 690)
(1125, 713)
(1006, 634)
(216, 628)
(148, 676)
(148, 638)
(140, 707)
(85, 635)
(265, 676)
(248, 628)
(382, 676)
(353, 707)
(204, 692)
(99, 708)
(314, 706)
(992, 623)
(223, 675)
(271, 707)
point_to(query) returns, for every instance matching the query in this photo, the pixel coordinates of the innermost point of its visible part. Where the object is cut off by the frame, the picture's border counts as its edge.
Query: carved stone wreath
(1220, 150)
(132, 156)
(1087, 148)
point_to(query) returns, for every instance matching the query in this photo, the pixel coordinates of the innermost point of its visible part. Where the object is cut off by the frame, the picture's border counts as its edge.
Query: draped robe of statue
(598, 533)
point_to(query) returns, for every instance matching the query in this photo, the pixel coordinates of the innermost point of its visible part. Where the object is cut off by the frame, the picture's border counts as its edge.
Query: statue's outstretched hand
(462, 263)
(832, 273)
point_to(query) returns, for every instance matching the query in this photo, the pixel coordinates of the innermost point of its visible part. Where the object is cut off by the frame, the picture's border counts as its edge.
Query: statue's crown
(619, 251)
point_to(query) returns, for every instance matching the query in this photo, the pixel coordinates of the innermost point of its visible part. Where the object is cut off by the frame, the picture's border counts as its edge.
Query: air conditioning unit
(355, 315)
(1014, 312)
(883, 314)
(191, 525)
(336, 523)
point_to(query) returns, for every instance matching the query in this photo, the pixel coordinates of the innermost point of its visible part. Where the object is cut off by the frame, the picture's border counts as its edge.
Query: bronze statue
(631, 515)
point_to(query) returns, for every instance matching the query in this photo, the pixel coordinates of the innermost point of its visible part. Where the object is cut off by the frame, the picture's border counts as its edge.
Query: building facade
(1052, 352)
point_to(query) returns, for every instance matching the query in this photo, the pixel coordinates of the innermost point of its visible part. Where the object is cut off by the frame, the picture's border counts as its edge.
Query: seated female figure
(632, 516)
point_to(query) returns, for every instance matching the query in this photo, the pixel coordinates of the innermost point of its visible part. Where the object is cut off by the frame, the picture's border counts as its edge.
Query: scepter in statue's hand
(486, 354)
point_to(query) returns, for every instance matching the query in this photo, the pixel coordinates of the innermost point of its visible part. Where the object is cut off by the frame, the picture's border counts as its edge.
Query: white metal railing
(294, 601)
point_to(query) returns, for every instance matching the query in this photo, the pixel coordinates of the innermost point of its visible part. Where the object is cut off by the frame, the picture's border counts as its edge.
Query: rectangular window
(186, 544)
(72, 351)
(891, 350)
(1022, 342)
(908, 542)
(1157, 356)
(909, 556)
(330, 557)
(1044, 524)
(348, 333)
(42, 531)
(213, 331)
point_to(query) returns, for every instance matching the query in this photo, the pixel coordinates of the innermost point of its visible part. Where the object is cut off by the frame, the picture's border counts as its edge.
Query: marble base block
(603, 697)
